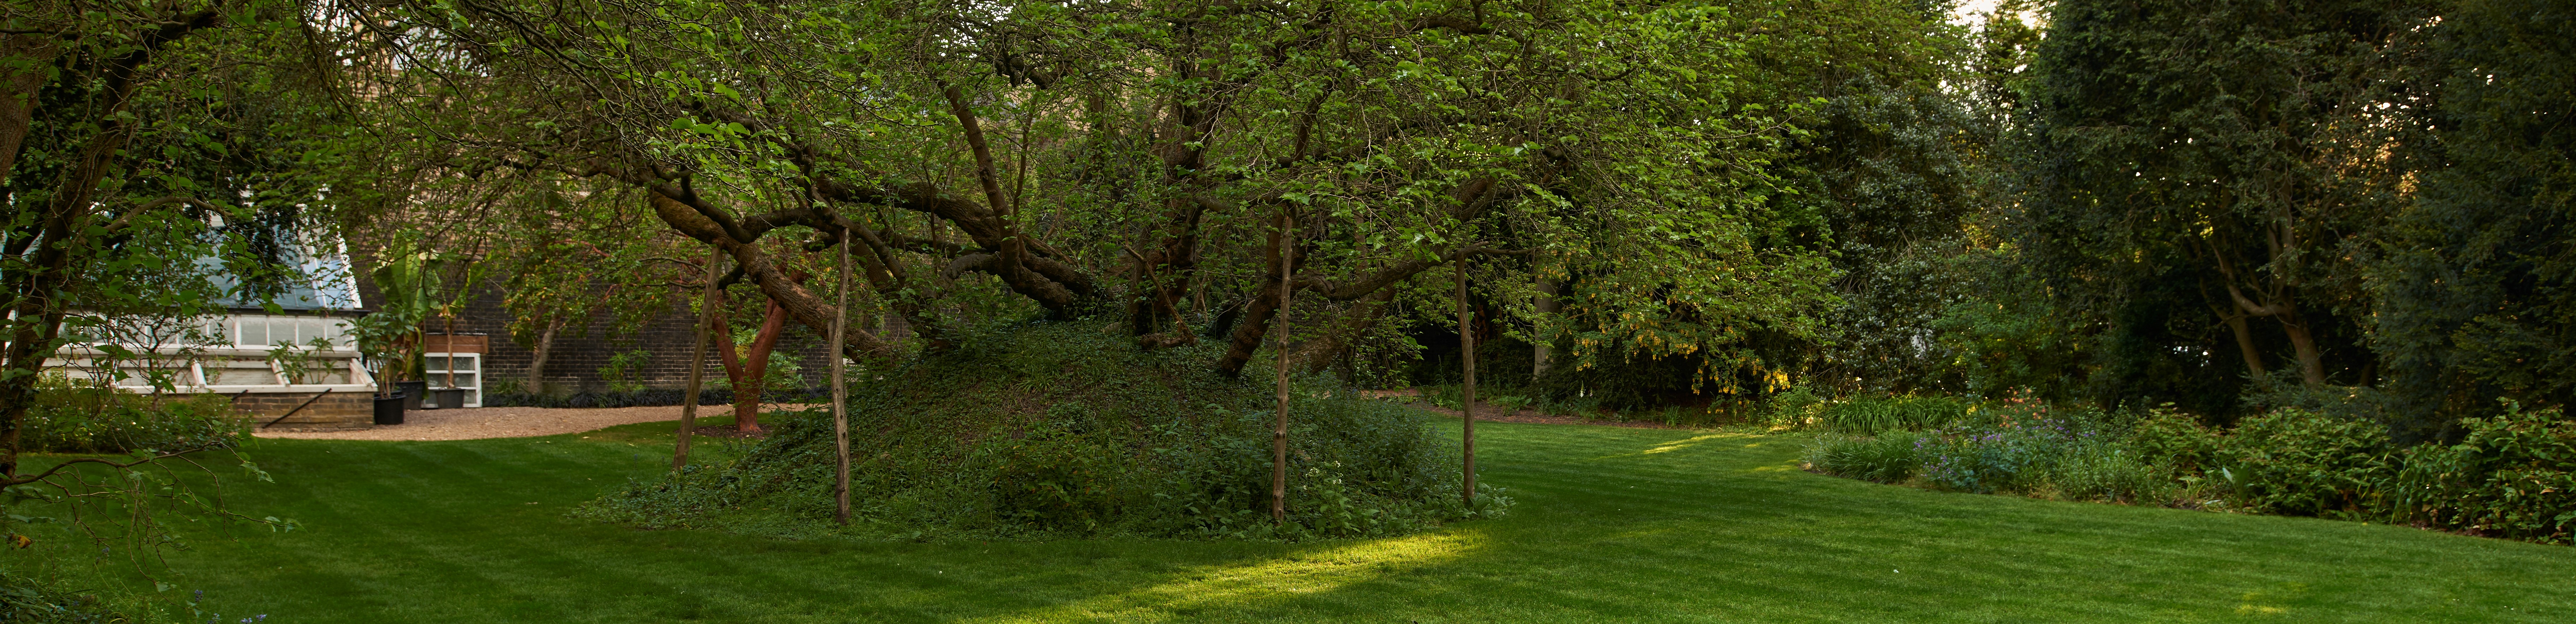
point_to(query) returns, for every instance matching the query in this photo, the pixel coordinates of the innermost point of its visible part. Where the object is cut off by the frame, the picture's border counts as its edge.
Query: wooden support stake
(1279, 435)
(698, 359)
(1467, 402)
(840, 382)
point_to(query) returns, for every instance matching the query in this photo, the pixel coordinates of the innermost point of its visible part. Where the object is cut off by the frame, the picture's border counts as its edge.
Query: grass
(1613, 525)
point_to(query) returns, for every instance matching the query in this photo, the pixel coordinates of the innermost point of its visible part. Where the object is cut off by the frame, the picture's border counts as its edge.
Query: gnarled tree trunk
(747, 366)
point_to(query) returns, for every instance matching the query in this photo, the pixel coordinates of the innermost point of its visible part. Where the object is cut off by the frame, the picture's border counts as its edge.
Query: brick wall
(579, 352)
(330, 412)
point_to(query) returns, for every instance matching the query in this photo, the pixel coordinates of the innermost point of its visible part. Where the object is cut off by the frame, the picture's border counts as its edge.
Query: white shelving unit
(469, 374)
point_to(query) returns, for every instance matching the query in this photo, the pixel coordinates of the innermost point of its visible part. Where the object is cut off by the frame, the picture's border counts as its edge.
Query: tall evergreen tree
(2475, 296)
(2200, 175)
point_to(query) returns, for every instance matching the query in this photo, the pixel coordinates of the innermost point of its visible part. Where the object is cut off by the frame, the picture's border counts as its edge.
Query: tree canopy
(2216, 204)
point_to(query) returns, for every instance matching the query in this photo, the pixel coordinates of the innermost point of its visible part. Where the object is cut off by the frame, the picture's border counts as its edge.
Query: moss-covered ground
(1613, 525)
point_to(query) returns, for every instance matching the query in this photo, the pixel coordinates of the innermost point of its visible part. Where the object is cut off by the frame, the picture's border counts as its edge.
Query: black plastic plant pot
(450, 398)
(412, 393)
(389, 410)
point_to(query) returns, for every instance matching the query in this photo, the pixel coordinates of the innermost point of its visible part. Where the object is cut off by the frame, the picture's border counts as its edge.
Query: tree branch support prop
(1279, 435)
(698, 360)
(1467, 398)
(840, 383)
(298, 407)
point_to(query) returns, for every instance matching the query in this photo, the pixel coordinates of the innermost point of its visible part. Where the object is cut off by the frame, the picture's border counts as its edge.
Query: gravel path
(508, 422)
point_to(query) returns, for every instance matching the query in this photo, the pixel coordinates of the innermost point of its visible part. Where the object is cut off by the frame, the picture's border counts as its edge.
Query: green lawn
(1613, 525)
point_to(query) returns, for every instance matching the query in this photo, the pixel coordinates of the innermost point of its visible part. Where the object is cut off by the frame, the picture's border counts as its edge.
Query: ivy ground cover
(1613, 524)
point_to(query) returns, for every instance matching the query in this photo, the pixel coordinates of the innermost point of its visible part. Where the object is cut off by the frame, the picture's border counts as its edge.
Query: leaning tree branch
(112, 464)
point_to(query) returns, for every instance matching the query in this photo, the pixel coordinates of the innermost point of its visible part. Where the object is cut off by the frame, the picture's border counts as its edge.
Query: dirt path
(509, 422)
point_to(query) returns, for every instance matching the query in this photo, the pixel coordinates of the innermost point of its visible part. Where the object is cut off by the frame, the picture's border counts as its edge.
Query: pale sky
(1964, 14)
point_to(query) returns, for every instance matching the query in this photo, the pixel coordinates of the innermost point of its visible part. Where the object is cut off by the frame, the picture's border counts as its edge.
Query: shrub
(25, 599)
(2008, 446)
(625, 371)
(73, 419)
(1889, 458)
(1446, 397)
(1054, 428)
(1982, 462)
(2107, 472)
(2513, 475)
(2283, 389)
(1581, 406)
(1796, 407)
(1871, 416)
(2292, 461)
(2175, 440)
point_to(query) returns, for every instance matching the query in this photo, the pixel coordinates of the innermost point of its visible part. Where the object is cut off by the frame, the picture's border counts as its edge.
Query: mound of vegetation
(1062, 429)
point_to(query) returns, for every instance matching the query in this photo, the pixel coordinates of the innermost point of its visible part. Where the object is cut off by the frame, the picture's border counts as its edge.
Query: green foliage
(1060, 429)
(2287, 461)
(412, 284)
(2156, 167)
(2297, 462)
(2008, 336)
(1875, 415)
(2282, 390)
(68, 419)
(1872, 190)
(2008, 459)
(2178, 441)
(2361, 197)
(27, 599)
(782, 374)
(2015, 445)
(624, 371)
(2099, 470)
(1889, 458)
(390, 337)
(1636, 384)
(1794, 408)
(2513, 475)
(1893, 171)
(2472, 294)
(567, 252)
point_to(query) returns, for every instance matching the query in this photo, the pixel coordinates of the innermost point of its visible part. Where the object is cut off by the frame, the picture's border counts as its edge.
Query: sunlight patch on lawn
(1232, 586)
(2251, 603)
(1683, 443)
